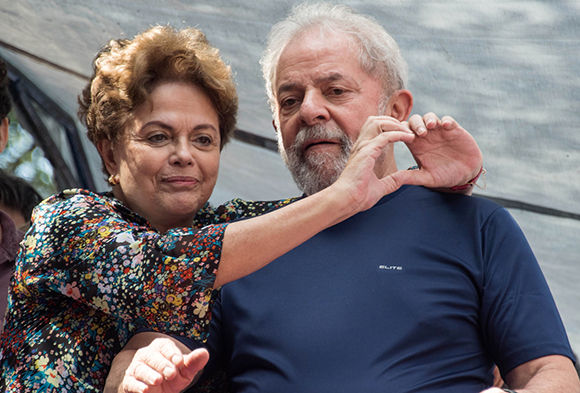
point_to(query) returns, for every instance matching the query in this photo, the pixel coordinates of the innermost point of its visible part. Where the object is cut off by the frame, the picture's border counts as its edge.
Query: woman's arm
(251, 244)
(154, 360)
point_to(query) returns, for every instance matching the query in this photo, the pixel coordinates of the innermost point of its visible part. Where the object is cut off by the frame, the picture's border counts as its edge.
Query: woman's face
(167, 161)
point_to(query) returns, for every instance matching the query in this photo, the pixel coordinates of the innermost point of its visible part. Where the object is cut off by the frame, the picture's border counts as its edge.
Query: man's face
(323, 98)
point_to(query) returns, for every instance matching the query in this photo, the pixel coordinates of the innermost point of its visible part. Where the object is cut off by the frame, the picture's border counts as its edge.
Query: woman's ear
(400, 105)
(107, 153)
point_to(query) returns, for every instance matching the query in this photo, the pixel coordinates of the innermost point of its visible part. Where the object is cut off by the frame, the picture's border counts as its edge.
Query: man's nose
(313, 108)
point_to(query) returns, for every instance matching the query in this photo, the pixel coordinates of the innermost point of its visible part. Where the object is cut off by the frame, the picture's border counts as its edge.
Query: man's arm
(548, 374)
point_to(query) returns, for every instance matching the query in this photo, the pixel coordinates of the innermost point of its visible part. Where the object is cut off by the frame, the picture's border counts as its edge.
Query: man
(4, 106)
(422, 293)
(17, 198)
(9, 235)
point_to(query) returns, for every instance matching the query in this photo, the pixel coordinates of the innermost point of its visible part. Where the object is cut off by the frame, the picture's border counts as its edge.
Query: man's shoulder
(472, 200)
(433, 203)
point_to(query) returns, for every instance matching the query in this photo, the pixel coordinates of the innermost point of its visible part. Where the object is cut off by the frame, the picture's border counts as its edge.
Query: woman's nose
(182, 154)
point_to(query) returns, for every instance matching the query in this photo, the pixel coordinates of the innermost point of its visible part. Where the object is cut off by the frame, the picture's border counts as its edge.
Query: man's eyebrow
(335, 76)
(321, 80)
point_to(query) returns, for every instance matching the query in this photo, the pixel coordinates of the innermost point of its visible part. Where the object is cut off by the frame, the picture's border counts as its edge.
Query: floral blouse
(90, 273)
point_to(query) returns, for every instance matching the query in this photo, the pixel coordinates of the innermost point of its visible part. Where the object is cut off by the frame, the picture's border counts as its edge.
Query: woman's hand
(446, 153)
(161, 367)
(368, 175)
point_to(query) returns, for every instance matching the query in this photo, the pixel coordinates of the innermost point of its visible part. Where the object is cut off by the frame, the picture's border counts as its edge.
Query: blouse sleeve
(237, 209)
(82, 247)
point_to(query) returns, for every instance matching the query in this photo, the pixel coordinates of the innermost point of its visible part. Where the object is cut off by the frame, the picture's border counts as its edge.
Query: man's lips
(319, 143)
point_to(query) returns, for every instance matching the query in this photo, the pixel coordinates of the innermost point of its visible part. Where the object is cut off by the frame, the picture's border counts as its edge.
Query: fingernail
(421, 130)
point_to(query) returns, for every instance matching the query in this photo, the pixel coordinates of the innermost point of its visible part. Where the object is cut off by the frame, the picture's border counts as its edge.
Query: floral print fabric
(91, 272)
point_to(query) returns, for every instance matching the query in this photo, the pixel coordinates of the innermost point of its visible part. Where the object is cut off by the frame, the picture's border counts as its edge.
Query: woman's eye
(157, 138)
(204, 140)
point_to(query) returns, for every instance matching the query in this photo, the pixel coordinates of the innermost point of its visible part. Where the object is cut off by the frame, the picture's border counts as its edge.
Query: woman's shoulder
(78, 202)
(75, 199)
(236, 209)
(240, 208)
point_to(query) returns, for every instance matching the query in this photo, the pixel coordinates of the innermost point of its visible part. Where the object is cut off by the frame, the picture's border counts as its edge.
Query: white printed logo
(391, 267)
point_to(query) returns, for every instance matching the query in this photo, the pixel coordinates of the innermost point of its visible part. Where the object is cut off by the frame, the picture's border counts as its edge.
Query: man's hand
(447, 155)
(161, 367)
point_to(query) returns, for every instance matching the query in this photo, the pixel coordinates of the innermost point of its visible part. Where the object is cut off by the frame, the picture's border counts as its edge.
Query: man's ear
(274, 125)
(400, 105)
(4, 127)
(107, 153)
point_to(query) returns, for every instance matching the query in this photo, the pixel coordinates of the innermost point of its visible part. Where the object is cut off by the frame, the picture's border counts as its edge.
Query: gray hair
(379, 54)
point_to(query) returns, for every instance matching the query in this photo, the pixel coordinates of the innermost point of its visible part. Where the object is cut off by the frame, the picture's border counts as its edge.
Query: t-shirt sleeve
(520, 321)
(81, 248)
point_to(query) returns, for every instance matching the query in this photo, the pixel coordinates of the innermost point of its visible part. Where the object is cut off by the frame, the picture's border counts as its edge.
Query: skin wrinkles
(169, 159)
(323, 99)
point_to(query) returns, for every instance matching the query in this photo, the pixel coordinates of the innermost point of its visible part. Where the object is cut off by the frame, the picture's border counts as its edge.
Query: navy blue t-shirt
(422, 293)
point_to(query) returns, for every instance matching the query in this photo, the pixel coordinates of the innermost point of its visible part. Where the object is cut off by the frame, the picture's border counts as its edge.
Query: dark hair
(5, 103)
(17, 194)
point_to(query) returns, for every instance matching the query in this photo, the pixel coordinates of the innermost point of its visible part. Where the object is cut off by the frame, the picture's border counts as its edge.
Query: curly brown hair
(126, 71)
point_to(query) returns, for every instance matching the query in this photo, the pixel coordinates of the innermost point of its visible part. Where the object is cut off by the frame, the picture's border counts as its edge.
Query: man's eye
(288, 102)
(336, 91)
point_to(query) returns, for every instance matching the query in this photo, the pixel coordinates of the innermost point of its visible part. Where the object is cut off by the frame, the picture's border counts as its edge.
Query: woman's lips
(181, 181)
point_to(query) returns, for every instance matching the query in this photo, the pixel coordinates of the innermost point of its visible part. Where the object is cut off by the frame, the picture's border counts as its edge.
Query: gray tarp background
(507, 70)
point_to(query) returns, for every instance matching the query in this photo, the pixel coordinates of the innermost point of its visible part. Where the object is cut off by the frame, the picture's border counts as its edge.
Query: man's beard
(314, 171)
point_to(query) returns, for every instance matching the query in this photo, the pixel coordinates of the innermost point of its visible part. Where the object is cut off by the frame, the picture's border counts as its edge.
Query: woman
(95, 268)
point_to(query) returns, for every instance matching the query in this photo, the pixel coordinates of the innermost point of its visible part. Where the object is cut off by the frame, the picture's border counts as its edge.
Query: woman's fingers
(194, 362)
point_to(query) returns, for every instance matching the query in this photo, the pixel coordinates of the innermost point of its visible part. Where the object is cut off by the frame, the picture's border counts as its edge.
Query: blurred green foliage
(23, 158)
